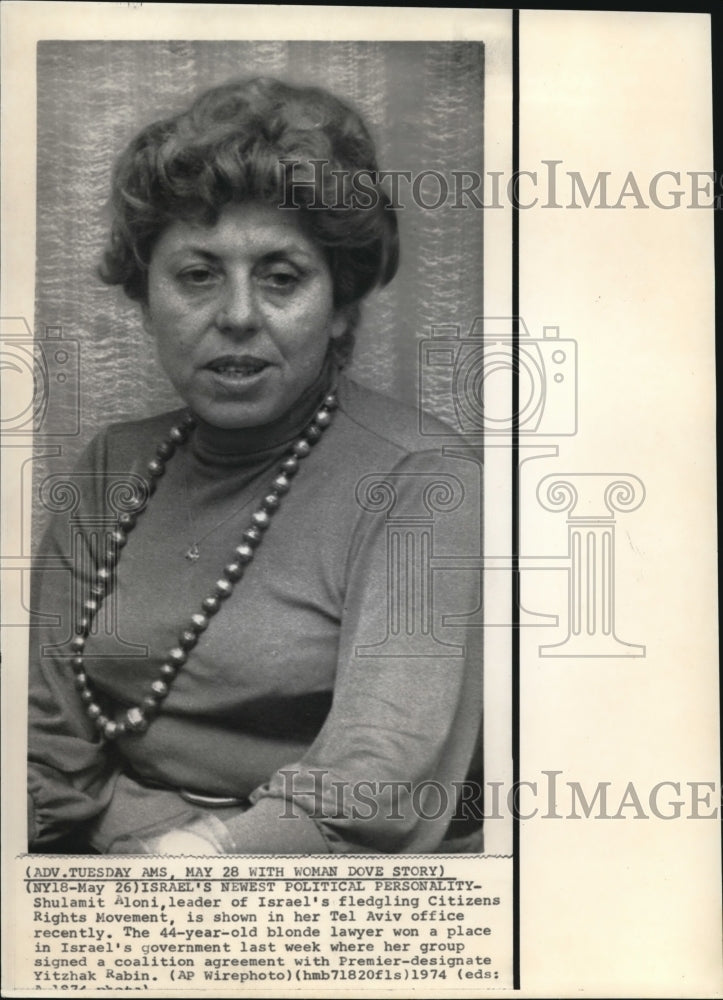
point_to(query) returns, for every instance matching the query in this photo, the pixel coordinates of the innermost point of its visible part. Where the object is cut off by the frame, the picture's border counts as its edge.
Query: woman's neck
(226, 446)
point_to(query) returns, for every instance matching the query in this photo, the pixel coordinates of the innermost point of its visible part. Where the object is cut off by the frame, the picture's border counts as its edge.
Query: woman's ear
(344, 320)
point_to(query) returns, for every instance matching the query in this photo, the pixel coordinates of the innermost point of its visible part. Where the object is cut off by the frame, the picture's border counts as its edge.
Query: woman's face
(242, 313)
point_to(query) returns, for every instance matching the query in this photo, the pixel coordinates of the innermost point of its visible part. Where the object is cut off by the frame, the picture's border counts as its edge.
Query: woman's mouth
(237, 366)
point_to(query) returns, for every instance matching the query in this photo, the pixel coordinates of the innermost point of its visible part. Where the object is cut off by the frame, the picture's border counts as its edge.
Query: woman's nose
(238, 313)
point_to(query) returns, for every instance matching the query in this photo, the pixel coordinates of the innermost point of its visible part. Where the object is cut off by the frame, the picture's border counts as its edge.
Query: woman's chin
(231, 416)
(235, 401)
(238, 414)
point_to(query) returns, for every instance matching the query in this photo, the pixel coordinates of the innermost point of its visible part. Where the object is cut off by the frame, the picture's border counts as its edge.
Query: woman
(268, 712)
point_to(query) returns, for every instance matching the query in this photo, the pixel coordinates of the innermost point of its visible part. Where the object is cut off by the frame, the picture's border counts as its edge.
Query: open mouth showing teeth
(237, 367)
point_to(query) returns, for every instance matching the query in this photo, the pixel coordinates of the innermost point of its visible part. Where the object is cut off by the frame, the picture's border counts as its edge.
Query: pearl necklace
(137, 718)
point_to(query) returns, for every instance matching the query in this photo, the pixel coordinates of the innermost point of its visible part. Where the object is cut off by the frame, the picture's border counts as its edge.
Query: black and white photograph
(345, 625)
(245, 650)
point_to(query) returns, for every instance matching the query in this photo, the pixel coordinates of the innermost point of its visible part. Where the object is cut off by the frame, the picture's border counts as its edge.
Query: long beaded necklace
(137, 718)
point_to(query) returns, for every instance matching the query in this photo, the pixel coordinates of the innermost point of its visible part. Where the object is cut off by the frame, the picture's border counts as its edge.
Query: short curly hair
(257, 140)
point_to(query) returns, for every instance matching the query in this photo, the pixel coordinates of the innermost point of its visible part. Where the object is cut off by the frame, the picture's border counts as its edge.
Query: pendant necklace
(137, 718)
(193, 553)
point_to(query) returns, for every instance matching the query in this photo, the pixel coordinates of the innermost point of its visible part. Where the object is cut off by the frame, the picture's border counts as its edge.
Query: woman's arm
(384, 772)
(70, 773)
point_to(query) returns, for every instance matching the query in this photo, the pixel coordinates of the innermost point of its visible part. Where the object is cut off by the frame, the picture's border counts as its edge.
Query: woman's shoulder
(127, 440)
(386, 421)
(142, 429)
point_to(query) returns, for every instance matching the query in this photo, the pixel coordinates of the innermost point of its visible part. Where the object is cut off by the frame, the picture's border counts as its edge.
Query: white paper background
(637, 901)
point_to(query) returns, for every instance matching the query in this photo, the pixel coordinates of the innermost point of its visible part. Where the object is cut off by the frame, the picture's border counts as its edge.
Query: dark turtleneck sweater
(310, 688)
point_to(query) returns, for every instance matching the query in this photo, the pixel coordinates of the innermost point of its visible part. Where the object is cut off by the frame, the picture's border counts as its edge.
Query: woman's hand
(202, 836)
(181, 841)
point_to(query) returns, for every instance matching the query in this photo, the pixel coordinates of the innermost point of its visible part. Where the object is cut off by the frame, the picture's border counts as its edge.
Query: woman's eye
(281, 280)
(196, 276)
